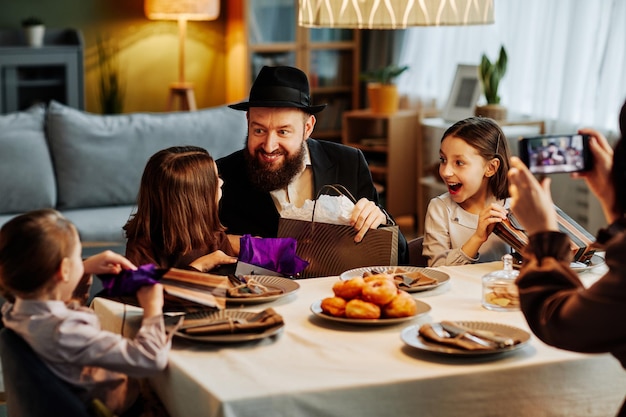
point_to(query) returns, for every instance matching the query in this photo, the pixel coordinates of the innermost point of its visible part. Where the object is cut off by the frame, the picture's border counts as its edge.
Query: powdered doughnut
(349, 289)
(335, 306)
(402, 305)
(379, 291)
(359, 309)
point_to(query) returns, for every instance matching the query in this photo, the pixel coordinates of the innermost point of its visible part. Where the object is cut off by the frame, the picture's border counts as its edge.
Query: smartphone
(552, 154)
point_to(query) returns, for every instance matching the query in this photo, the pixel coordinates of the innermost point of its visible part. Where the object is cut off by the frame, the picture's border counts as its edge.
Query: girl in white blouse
(474, 161)
(40, 267)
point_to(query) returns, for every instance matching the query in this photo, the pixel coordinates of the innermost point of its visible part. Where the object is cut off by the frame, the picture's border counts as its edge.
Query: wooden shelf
(392, 164)
(378, 170)
(370, 148)
(31, 75)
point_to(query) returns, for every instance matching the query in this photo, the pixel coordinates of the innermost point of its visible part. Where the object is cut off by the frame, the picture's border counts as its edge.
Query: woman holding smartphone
(559, 309)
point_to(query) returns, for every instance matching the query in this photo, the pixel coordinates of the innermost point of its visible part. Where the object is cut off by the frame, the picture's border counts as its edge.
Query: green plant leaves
(110, 82)
(384, 75)
(491, 74)
(31, 21)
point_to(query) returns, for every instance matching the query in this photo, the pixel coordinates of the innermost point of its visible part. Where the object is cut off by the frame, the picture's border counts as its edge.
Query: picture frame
(464, 94)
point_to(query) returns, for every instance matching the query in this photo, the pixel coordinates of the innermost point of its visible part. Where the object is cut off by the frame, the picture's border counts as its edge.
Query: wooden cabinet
(389, 143)
(30, 75)
(266, 32)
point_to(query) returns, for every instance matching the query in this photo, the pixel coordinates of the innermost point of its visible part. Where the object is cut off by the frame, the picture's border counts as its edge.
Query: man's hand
(366, 215)
(599, 178)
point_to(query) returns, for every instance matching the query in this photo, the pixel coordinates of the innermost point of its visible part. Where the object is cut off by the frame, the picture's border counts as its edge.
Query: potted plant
(491, 74)
(34, 31)
(110, 84)
(382, 93)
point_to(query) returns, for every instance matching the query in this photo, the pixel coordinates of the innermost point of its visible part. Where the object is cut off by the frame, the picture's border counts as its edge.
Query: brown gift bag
(512, 232)
(330, 248)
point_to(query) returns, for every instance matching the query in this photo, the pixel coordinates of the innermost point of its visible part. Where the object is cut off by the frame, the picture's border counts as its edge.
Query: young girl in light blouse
(474, 161)
(40, 267)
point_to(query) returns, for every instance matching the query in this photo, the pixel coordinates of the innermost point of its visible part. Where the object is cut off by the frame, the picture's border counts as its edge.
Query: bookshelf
(32, 75)
(389, 143)
(265, 32)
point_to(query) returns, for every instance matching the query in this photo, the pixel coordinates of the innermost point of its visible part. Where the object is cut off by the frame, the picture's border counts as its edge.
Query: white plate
(410, 335)
(224, 338)
(595, 261)
(441, 277)
(286, 285)
(422, 308)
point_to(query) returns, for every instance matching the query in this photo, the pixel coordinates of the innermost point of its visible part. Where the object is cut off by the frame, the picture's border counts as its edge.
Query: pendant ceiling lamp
(393, 14)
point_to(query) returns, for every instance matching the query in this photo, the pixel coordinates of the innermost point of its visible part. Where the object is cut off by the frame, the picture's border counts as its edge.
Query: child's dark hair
(32, 247)
(177, 204)
(484, 135)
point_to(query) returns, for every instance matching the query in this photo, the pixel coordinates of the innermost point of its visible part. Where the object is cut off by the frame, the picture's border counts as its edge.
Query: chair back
(31, 389)
(415, 252)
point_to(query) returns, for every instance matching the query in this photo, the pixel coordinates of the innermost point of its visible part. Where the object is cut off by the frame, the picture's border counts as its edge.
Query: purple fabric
(275, 254)
(128, 281)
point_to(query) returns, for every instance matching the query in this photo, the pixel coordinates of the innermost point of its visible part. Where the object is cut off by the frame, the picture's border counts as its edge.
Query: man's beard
(266, 179)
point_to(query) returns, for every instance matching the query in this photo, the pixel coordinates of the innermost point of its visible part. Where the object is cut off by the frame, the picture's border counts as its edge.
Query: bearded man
(282, 164)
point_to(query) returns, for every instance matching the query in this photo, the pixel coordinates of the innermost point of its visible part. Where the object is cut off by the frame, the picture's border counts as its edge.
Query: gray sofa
(89, 166)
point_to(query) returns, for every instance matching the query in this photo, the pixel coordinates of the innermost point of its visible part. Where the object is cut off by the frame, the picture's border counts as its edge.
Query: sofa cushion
(26, 174)
(100, 224)
(99, 159)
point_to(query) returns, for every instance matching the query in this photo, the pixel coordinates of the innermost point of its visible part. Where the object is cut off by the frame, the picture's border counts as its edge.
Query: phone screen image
(556, 153)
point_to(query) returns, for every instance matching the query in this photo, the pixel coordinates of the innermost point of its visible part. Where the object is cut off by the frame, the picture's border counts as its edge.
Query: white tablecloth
(321, 368)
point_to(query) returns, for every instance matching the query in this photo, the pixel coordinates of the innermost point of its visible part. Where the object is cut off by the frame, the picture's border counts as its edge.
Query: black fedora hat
(280, 87)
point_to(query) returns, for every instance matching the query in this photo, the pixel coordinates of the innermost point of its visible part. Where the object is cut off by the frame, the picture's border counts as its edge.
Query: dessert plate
(223, 338)
(595, 261)
(441, 277)
(422, 308)
(410, 335)
(286, 285)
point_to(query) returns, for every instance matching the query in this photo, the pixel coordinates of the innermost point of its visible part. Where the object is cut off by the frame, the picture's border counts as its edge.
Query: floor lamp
(182, 11)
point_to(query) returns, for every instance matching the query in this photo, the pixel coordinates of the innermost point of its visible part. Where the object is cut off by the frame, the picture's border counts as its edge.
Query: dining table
(320, 367)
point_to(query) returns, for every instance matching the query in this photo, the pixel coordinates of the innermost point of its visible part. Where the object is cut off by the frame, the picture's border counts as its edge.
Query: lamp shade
(393, 14)
(182, 9)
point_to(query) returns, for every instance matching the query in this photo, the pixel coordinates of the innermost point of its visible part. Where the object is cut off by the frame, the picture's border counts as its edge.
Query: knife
(458, 329)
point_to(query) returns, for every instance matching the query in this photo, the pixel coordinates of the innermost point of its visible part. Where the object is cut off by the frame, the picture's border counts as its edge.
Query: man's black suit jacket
(247, 210)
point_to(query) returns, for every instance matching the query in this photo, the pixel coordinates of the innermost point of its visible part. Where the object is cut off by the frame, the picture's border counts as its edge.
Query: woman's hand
(531, 202)
(366, 215)
(107, 262)
(212, 260)
(599, 177)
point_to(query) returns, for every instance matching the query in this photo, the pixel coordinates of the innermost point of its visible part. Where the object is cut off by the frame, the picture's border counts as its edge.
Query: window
(567, 60)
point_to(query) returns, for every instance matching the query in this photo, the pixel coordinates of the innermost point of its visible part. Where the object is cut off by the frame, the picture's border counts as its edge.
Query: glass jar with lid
(499, 289)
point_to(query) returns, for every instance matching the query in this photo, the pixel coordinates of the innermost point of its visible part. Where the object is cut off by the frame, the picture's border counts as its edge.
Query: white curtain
(567, 59)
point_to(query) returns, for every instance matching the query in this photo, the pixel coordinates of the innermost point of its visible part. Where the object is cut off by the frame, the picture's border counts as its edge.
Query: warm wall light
(393, 14)
(182, 11)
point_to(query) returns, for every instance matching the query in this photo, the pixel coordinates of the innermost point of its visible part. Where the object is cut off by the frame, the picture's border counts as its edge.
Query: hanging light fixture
(393, 14)
(182, 11)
